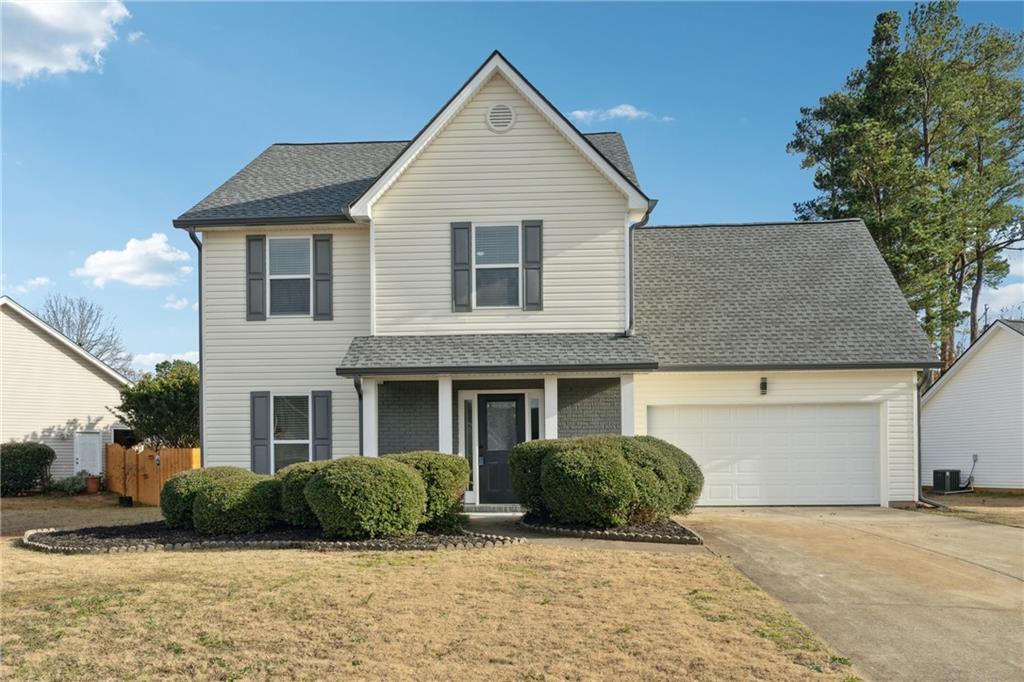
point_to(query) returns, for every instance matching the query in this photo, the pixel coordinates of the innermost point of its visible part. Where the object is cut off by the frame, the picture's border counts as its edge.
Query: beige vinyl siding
(469, 173)
(284, 355)
(979, 409)
(893, 390)
(47, 392)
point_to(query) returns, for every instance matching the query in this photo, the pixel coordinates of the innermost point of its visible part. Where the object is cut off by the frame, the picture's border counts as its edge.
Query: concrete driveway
(906, 595)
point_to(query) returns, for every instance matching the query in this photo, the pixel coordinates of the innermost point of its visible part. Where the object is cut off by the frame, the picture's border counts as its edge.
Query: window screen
(289, 257)
(496, 266)
(291, 430)
(289, 276)
(497, 245)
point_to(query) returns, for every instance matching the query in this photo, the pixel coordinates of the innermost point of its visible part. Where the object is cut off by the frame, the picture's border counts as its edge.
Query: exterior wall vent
(501, 117)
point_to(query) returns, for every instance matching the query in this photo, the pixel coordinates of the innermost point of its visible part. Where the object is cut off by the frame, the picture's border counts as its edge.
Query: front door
(502, 420)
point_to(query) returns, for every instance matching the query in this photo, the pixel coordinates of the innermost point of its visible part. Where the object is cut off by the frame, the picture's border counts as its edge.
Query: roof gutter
(199, 299)
(353, 372)
(631, 309)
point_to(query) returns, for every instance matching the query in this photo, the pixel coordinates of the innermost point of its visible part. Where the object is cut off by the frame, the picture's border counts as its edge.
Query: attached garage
(778, 454)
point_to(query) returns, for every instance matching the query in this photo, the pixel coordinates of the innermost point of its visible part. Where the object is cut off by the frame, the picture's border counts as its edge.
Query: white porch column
(550, 406)
(369, 417)
(444, 414)
(627, 409)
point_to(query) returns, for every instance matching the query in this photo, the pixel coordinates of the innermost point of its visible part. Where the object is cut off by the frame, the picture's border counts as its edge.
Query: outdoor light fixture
(764, 385)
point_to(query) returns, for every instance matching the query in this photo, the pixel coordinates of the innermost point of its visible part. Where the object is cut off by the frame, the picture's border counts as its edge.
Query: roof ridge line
(757, 224)
(314, 144)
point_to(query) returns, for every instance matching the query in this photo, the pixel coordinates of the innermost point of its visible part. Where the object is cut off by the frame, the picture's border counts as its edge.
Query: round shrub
(24, 466)
(659, 484)
(690, 473)
(588, 481)
(294, 508)
(237, 504)
(446, 478)
(179, 492)
(525, 464)
(367, 497)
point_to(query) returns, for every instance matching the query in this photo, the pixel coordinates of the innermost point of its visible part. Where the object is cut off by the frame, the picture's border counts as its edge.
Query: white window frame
(309, 427)
(517, 226)
(309, 276)
(473, 496)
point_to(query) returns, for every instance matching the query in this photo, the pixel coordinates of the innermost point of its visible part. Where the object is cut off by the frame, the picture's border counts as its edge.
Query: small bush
(692, 477)
(237, 504)
(72, 485)
(294, 508)
(179, 492)
(446, 478)
(24, 466)
(588, 481)
(360, 497)
(525, 463)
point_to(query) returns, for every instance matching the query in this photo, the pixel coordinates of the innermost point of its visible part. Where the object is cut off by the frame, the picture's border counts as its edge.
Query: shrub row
(351, 497)
(605, 481)
(24, 466)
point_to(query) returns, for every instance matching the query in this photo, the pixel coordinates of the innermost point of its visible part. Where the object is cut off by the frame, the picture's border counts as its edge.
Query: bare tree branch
(86, 323)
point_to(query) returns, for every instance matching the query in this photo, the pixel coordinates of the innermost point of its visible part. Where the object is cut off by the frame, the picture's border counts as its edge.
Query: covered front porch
(478, 396)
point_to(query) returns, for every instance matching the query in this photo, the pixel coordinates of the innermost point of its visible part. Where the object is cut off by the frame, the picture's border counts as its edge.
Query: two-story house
(493, 280)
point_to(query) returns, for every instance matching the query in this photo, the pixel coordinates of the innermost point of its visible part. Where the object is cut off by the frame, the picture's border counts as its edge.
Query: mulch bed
(669, 532)
(156, 536)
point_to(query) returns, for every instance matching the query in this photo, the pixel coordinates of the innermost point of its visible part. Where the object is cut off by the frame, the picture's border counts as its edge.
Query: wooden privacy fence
(147, 470)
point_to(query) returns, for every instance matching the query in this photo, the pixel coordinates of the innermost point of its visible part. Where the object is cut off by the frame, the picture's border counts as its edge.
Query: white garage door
(777, 454)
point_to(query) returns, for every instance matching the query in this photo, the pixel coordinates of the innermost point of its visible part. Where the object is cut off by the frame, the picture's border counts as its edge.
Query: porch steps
(492, 508)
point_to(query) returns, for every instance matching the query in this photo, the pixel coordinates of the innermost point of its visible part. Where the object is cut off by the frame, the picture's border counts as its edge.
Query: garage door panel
(778, 454)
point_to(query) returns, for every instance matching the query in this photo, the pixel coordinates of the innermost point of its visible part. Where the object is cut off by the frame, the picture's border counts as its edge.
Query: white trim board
(64, 341)
(362, 208)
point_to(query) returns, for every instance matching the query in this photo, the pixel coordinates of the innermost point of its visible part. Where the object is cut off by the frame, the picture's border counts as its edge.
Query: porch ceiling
(490, 353)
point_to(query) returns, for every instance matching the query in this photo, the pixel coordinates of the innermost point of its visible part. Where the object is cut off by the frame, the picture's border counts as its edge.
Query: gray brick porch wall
(407, 416)
(588, 406)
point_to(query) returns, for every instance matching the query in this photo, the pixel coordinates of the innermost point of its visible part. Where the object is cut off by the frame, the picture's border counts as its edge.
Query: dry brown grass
(1006, 509)
(18, 514)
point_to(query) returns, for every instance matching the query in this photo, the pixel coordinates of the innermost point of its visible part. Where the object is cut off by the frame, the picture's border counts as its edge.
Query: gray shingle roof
(466, 353)
(320, 181)
(1015, 325)
(772, 295)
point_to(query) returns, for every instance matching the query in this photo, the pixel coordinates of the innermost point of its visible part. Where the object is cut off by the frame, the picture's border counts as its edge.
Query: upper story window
(289, 277)
(497, 263)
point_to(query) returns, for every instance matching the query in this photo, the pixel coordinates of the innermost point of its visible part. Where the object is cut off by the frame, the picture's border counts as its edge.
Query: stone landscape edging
(594, 534)
(473, 541)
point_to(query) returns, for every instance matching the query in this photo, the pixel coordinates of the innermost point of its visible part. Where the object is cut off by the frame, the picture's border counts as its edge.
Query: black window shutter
(259, 431)
(323, 309)
(461, 266)
(255, 277)
(321, 425)
(533, 265)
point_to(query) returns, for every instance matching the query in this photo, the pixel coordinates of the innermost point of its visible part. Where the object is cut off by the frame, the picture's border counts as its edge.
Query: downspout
(630, 262)
(357, 383)
(202, 386)
(920, 482)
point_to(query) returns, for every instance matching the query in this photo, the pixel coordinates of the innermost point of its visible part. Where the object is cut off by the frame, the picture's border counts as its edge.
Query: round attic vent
(500, 117)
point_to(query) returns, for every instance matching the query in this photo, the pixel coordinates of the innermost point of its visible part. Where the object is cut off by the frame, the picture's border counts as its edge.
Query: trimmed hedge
(367, 497)
(588, 482)
(691, 475)
(605, 481)
(446, 478)
(179, 492)
(294, 508)
(237, 504)
(24, 466)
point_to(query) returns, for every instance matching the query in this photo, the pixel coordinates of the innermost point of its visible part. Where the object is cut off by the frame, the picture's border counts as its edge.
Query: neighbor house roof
(318, 182)
(772, 295)
(999, 326)
(70, 346)
(484, 353)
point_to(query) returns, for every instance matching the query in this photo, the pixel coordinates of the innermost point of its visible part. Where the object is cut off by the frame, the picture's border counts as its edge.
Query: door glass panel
(467, 439)
(534, 419)
(501, 424)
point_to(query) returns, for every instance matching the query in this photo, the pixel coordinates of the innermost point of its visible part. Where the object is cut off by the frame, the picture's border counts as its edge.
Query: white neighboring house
(54, 392)
(977, 407)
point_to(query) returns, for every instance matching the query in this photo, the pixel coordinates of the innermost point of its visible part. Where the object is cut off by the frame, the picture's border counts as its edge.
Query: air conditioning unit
(945, 480)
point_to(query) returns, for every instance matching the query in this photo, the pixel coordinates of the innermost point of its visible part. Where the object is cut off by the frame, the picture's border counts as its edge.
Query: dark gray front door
(502, 422)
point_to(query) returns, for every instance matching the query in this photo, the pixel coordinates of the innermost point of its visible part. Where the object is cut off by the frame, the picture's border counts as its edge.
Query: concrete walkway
(906, 595)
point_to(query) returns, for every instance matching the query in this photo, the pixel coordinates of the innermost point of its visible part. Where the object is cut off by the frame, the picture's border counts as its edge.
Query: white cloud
(172, 302)
(142, 262)
(32, 283)
(42, 37)
(622, 111)
(135, 36)
(147, 361)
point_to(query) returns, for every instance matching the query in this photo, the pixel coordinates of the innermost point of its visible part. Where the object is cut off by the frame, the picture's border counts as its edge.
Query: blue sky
(165, 101)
